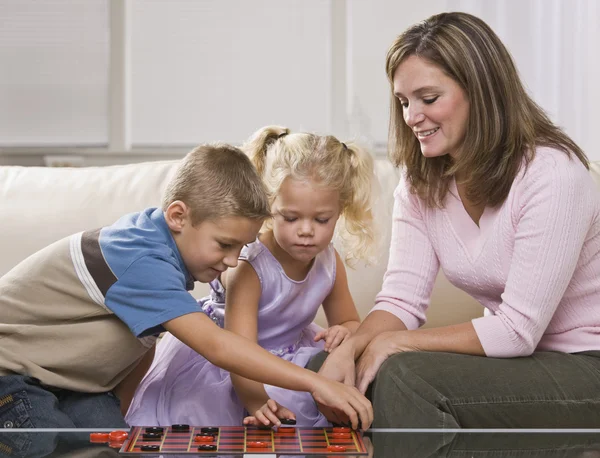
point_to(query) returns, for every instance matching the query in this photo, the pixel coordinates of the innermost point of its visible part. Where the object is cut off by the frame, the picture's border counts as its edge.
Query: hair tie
(283, 134)
(344, 145)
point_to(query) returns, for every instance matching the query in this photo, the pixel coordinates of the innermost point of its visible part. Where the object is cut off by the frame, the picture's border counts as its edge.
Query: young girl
(273, 294)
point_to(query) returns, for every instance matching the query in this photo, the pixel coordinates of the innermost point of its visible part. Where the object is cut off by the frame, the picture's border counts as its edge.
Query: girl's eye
(430, 101)
(322, 221)
(289, 220)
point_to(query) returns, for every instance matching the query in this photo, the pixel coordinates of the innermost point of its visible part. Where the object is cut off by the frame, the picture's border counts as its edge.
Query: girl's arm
(241, 317)
(342, 317)
(338, 305)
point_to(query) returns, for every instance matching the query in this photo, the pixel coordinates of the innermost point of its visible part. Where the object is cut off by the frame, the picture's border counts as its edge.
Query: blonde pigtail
(257, 146)
(358, 234)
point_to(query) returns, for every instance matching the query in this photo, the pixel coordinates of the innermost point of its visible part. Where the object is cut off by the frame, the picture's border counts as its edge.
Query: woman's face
(435, 107)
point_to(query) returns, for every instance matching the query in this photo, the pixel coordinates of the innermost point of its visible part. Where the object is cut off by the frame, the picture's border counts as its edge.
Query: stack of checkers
(207, 437)
(114, 439)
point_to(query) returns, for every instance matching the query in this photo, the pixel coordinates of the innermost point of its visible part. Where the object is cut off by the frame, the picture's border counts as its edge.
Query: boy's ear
(177, 215)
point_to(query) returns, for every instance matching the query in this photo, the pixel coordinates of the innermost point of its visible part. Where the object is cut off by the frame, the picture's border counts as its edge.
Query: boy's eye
(224, 246)
(430, 101)
(322, 221)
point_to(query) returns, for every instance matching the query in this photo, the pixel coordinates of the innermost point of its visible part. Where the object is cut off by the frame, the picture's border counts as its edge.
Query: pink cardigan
(533, 262)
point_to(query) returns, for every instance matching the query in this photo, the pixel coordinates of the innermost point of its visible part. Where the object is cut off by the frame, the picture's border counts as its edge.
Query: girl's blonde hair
(278, 154)
(504, 126)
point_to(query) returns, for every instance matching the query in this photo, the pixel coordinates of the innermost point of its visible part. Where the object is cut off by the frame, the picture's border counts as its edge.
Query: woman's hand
(339, 365)
(378, 350)
(333, 336)
(269, 415)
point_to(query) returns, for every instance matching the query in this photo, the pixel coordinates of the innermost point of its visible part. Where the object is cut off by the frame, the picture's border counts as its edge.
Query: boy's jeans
(24, 403)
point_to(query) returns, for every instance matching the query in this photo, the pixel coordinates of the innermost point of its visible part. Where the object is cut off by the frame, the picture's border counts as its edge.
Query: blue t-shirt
(143, 279)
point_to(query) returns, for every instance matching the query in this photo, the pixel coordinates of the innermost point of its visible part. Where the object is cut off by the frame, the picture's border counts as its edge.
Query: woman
(501, 199)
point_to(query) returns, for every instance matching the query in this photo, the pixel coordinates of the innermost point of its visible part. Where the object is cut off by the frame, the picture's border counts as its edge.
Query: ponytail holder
(283, 134)
(344, 145)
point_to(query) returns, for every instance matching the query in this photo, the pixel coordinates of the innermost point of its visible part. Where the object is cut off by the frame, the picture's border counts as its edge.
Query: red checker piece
(341, 435)
(202, 438)
(99, 437)
(341, 429)
(116, 444)
(336, 448)
(286, 430)
(118, 436)
(257, 444)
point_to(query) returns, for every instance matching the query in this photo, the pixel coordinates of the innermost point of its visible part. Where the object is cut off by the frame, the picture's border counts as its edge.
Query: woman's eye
(430, 101)
(404, 104)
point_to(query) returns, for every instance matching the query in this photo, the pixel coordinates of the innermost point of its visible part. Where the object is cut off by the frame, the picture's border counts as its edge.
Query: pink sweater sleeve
(552, 216)
(412, 266)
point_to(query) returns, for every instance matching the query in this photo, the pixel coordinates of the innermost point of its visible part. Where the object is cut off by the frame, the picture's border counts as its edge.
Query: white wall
(116, 81)
(554, 43)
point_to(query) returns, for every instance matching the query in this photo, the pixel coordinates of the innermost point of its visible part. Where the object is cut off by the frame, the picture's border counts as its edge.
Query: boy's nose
(230, 261)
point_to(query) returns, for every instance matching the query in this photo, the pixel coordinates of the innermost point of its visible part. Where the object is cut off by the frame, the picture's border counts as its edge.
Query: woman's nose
(413, 115)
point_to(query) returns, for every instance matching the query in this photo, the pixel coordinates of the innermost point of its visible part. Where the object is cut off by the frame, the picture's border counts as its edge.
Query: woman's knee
(315, 363)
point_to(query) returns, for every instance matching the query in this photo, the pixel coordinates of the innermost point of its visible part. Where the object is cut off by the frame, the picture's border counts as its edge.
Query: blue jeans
(25, 403)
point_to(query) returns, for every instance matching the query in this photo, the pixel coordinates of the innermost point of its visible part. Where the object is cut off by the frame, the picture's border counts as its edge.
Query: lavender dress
(183, 387)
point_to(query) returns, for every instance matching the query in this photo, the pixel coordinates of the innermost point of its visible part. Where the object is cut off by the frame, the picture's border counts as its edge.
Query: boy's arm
(241, 316)
(126, 388)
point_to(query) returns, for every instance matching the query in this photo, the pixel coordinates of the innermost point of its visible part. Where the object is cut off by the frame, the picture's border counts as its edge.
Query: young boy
(79, 319)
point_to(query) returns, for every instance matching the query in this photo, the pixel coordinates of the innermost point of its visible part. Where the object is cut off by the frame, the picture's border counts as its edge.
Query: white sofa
(39, 205)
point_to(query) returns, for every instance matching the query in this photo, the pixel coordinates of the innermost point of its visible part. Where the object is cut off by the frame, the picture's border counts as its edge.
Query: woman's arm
(555, 204)
(458, 338)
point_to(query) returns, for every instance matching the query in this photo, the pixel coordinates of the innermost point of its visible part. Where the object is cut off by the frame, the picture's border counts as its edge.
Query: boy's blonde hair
(217, 181)
(325, 160)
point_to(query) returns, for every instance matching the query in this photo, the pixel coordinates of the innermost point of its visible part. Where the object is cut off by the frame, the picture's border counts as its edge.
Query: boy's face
(211, 247)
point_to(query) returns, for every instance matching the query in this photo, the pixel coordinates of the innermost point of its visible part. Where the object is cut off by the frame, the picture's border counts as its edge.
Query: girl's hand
(269, 415)
(333, 336)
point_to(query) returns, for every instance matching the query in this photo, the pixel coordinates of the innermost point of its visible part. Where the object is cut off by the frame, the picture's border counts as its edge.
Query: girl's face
(435, 106)
(304, 218)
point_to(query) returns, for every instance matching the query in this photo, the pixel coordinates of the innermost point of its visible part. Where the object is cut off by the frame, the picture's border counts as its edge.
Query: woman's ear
(177, 215)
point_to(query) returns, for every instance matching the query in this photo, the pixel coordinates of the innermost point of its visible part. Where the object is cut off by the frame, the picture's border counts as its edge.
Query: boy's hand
(345, 401)
(333, 336)
(269, 415)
